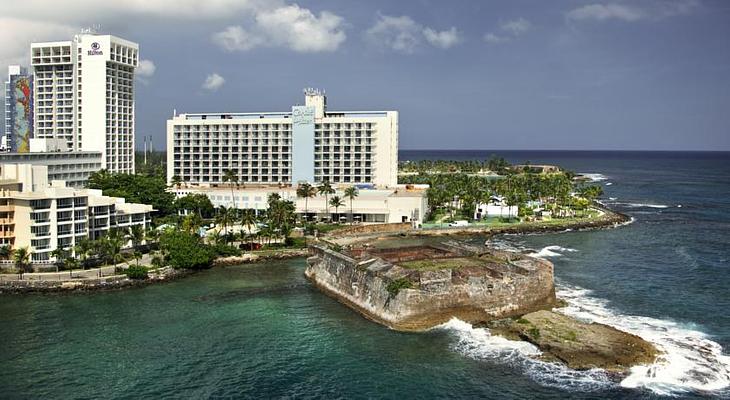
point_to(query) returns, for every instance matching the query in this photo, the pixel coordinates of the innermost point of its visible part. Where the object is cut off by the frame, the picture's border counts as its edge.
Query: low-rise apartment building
(45, 217)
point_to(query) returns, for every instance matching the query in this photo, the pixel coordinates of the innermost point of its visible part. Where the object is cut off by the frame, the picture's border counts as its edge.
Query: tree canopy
(145, 189)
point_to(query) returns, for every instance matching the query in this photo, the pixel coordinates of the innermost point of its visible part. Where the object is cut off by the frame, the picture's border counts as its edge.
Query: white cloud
(299, 29)
(235, 38)
(516, 27)
(290, 26)
(401, 34)
(146, 68)
(631, 13)
(444, 39)
(273, 22)
(213, 82)
(18, 33)
(601, 12)
(79, 10)
(508, 30)
(404, 35)
(494, 39)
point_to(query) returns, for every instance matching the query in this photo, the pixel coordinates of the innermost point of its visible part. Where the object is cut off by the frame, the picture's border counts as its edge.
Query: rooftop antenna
(93, 29)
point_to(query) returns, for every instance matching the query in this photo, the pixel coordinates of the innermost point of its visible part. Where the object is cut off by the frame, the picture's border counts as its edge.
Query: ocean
(262, 331)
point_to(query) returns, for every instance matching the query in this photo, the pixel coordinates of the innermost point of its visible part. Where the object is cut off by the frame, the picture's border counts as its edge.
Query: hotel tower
(307, 144)
(83, 93)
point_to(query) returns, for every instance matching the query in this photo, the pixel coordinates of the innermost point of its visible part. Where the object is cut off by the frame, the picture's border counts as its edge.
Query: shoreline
(121, 282)
(609, 219)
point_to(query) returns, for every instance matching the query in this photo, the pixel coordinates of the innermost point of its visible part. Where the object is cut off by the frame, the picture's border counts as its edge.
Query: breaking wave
(479, 344)
(594, 177)
(642, 205)
(552, 251)
(690, 360)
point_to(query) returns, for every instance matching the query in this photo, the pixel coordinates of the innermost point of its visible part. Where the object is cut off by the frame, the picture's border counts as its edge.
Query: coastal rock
(577, 344)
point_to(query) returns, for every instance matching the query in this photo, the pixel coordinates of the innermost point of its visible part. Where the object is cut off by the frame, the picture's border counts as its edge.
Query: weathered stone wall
(371, 229)
(524, 286)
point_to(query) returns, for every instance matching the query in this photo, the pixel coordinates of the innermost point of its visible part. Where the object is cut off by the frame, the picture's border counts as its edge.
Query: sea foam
(690, 361)
(480, 344)
(552, 251)
(594, 177)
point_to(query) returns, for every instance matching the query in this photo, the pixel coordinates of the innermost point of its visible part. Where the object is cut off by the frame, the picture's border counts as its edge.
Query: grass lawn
(444, 263)
(496, 222)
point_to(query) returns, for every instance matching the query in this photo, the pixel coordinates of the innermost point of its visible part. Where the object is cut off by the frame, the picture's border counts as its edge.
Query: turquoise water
(262, 331)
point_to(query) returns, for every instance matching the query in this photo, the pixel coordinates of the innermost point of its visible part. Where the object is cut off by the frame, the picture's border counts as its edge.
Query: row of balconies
(241, 172)
(244, 179)
(281, 150)
(243, 143)
(227, 164)
(342, 179)
(51, 60)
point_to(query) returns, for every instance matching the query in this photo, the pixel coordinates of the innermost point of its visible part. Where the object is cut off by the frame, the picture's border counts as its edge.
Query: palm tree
(306, 191)
(248, 219)
(60, 254)
(137, 256)
(229, 175)
(82, 249)
(336, 202)
(71, 263)
(5, 252)
(176, 181)
(136, 235)
(351, 192)
(326, 189)
(21, 256)
(151, 235)
(225, 218)
(113, 243)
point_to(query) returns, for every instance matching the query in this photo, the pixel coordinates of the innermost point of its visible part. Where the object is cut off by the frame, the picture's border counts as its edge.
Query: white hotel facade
(309, 143)
(83, 93)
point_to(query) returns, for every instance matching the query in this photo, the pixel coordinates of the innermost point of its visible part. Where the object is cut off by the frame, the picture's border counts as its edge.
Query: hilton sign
(95, 50)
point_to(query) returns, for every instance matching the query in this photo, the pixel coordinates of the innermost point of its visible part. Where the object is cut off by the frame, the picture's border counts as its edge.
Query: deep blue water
(262, 331)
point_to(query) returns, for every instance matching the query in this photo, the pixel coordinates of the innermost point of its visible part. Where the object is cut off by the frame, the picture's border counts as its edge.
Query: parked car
(459, 223)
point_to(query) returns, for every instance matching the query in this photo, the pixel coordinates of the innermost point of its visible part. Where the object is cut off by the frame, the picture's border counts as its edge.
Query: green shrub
(395, 286)
(186, 250)
(224, 250)
(136, 272)
(534, 333)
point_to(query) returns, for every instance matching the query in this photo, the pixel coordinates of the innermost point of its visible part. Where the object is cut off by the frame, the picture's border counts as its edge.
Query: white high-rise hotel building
(308, 144)
(84, 93)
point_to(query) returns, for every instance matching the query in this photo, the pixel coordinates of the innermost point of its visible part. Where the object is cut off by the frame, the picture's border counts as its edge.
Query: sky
(464, 74)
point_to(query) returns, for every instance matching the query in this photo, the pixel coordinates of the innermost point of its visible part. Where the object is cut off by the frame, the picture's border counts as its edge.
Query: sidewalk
(77, 274)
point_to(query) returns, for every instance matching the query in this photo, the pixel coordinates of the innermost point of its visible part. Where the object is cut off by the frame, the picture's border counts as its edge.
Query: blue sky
(622, 75)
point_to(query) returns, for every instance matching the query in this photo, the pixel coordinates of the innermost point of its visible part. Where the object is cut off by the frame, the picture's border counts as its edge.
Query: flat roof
(265, 115)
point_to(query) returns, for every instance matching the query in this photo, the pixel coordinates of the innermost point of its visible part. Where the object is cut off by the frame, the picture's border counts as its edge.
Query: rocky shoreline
(576, 344)
(117, 282)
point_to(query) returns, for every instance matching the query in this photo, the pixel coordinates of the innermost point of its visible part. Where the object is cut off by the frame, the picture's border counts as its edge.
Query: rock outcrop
(577, 344)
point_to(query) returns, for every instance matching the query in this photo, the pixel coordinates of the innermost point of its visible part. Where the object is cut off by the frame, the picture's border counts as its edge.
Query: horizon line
(578, 150)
